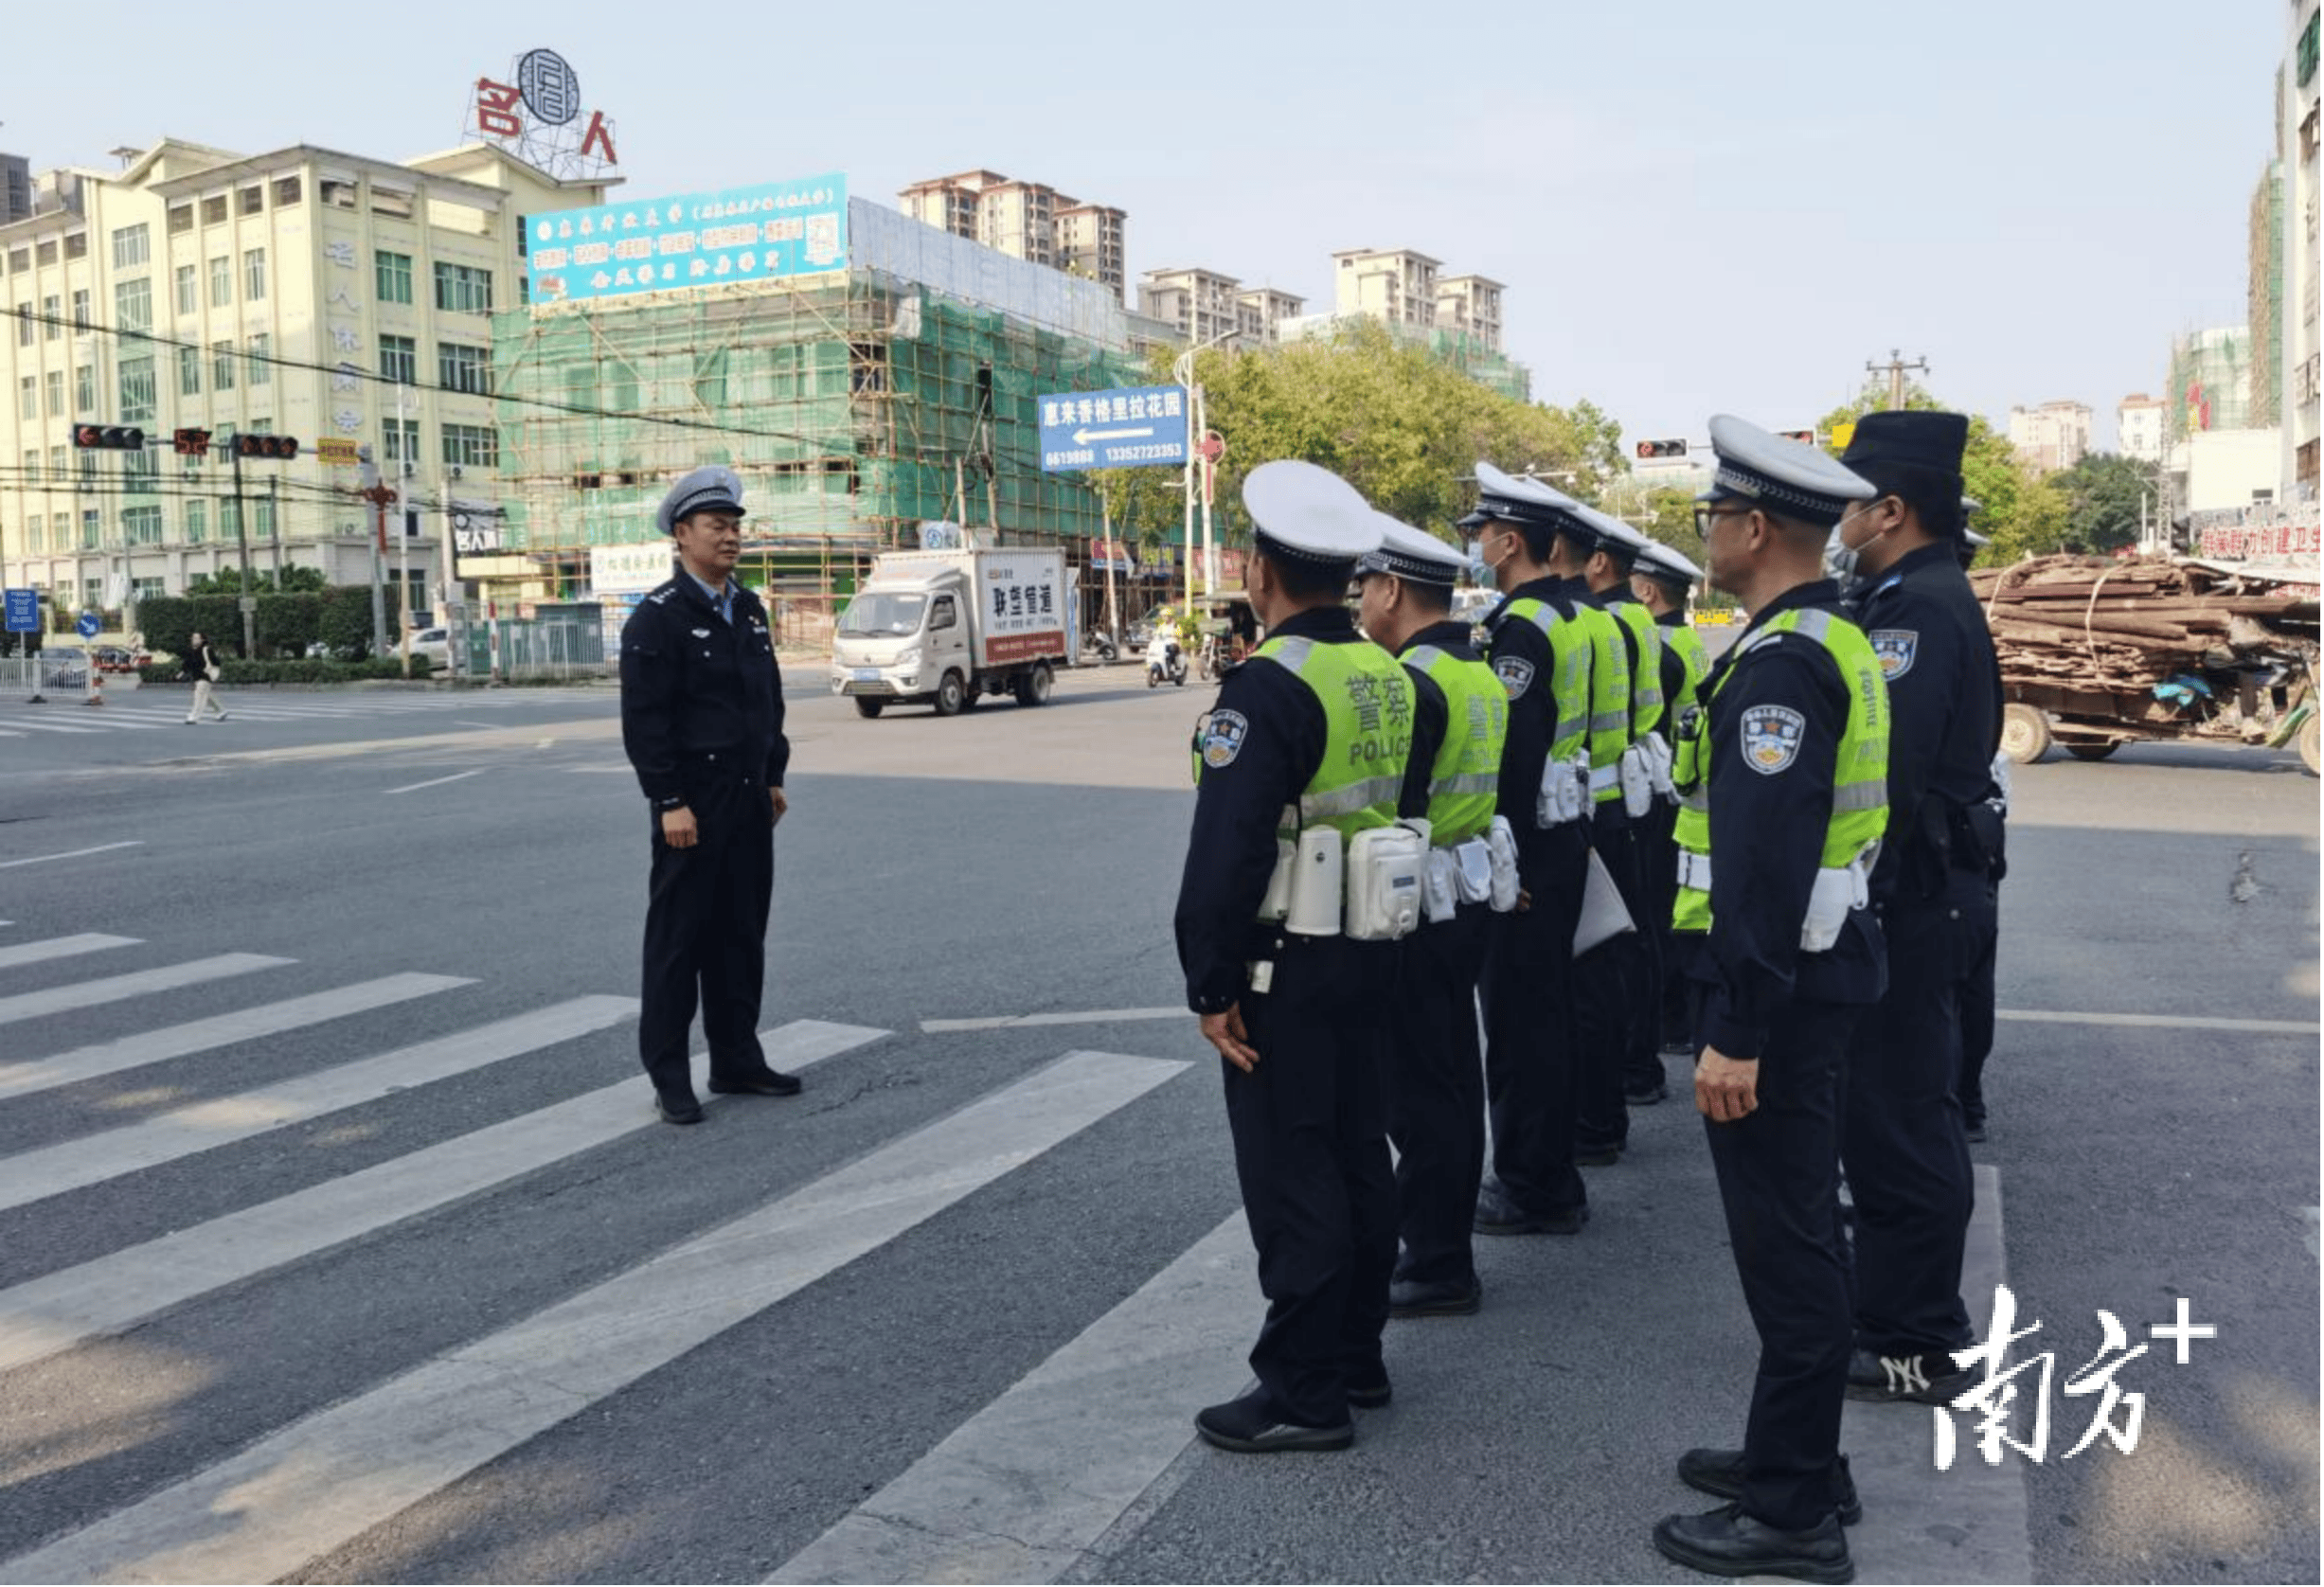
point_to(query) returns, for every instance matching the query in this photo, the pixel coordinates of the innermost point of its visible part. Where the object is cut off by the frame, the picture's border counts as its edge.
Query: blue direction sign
(24, 612)
(88, 625)
(1128, 429)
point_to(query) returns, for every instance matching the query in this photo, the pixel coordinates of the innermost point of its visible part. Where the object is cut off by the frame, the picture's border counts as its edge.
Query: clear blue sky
(1696, 206)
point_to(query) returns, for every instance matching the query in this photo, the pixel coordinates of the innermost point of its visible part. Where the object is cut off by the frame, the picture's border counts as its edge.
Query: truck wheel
(2098, 751)
(1033, 687)
(868, 708)
(2025, 734)
(950, 696)
(2307, 746)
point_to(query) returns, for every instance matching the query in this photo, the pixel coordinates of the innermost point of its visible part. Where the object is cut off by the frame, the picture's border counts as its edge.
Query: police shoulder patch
(1224, 738)
(1516, 674)
(1771, 738)
(1896, 649)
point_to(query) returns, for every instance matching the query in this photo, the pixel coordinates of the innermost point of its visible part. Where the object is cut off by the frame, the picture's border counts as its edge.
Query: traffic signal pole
(242, 535)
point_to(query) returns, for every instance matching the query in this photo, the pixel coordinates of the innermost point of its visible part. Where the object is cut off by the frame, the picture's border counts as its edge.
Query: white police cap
(1518, 501)
(706, 490)
(1409, 554)
(1612, 534)
(1787, 477)
(1308, 513)
(1665, 566)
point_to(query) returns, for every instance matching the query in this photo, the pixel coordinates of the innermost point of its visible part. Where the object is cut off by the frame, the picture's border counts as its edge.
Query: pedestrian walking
(702, 718)
(199, 664)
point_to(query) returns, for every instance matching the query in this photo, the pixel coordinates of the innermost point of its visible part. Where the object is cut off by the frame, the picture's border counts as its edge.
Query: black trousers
(705, 932)
(1672, 1020)
(1436, 1097)
(1310, 1127)
(1528, 995)
(1976, 1000)
(1904, 1145)
(1778, 1181)
(1613, 993)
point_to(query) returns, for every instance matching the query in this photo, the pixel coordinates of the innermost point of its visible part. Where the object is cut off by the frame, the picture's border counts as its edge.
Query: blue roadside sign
(88, 625)
(1134, 427)
(24, 612)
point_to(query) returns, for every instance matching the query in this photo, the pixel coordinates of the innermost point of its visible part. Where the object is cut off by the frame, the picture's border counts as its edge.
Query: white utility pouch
(1315, 884)
(1277, 903)
(1658, 767)
(1564, 792)
(1501, 851)
(1387, 869)
(1835, 892)
(1442, 893)
(1638, 781)
(1472, 862)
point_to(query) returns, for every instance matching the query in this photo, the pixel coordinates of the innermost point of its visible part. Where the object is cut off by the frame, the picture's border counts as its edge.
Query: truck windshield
(883, 614)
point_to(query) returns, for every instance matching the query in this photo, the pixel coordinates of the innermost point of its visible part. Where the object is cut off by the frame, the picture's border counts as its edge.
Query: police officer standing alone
(1436, 1083)
(1311, 734)
(1784, 782)
(702, 717)
(1662, 581)
(1906, 1150)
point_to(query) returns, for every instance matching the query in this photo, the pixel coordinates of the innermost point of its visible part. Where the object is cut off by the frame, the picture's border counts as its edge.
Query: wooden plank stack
(2101, 624)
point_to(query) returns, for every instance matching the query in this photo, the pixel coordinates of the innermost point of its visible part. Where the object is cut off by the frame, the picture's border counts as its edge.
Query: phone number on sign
(1145, 453)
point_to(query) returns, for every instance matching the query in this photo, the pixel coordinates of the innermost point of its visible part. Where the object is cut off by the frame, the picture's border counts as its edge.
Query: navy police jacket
(700, 693)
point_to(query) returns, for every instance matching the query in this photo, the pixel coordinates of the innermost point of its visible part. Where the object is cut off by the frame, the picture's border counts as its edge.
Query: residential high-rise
(1471, 306)
(15, 188)
(1089, 244)
(1202, 304)
(1026, 219)
(2138, 421)
(2210, 383)
(1397, 285)
(1263, 310)
(2052, 437)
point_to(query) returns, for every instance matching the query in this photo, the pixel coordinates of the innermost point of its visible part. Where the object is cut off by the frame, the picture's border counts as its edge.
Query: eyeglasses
(1705, 515)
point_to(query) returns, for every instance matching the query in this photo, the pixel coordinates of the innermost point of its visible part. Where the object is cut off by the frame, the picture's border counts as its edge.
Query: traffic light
(279, 449)
(108, 437)
(192, 443)
(1805, 437)
(1662, 449)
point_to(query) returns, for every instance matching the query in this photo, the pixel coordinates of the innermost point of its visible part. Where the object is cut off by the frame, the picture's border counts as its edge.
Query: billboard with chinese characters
(1134, 427)
(537, 115)
(765, 233)
(1025, 605)
(629, 569)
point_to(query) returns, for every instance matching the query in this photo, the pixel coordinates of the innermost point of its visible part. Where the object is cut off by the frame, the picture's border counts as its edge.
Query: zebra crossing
(128, 712)
(363, 1451)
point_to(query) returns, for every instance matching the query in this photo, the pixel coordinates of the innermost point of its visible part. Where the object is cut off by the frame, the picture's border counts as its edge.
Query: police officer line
(125, 713)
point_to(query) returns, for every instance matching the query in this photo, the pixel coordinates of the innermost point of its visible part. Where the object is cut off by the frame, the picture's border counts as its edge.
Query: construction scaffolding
(855, 404)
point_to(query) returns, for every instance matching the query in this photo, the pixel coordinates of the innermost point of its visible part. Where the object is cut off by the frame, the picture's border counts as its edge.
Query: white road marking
(73, 854)
(2162, 1022)
(73, 1165)
(87, 994)
(52, 727)
(334, 1475)
(115, 1291)
(60, 948)
(1091, 1016)
(438, 782)
(1022, 1489)
(267, 1019)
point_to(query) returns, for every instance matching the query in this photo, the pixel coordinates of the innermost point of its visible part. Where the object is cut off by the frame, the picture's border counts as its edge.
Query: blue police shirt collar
(721, 599)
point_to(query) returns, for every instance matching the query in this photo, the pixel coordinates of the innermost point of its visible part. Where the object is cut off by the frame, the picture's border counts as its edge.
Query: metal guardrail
(555, 651)
(21, 677)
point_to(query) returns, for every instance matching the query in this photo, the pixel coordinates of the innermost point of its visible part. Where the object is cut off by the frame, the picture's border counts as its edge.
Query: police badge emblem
(1895, 648)
(1771, 738)
(1222, 740)
(1516, 674)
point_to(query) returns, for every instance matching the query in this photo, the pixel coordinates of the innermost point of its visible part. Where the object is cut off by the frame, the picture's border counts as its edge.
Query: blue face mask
(1478, 571)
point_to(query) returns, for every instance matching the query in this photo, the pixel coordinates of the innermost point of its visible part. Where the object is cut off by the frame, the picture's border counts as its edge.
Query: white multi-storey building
(2052, 437)
(2138, 421)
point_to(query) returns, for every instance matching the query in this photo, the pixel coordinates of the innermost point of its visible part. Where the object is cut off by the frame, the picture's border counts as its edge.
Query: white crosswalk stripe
(128, 712)
(60, 948)
(88, 994)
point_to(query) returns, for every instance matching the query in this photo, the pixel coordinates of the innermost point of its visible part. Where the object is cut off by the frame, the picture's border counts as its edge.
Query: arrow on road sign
(1082, 438)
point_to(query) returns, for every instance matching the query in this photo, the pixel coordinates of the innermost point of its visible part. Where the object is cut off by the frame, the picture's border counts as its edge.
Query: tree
(2104, 493)
(229, 581)
(2021, 513)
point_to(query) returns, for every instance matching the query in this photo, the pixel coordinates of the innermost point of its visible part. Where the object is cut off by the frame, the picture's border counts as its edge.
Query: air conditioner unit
(455, 470)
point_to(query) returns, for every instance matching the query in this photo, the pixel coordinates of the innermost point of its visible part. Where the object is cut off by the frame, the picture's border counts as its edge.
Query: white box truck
(947, 626)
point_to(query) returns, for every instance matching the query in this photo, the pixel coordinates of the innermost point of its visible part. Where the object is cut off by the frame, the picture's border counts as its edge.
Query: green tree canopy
(296, 580)
(2103, 494)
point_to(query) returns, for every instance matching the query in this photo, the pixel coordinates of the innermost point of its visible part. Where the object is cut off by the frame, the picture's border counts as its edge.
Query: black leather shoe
(1498, 1215)
(1720, 1473)
(677, 1109)
(1371, 1395)
(1408, 1299)
(1928, 1379)
(1252, 1425)
(771, 1084)
(1726, 1541)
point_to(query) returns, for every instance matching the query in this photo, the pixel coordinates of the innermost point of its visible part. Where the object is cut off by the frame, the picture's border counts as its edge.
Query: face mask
(1480, 571)
(1840, 559)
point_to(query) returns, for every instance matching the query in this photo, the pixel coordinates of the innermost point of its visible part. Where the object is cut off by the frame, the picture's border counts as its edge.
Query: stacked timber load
(2098, 623)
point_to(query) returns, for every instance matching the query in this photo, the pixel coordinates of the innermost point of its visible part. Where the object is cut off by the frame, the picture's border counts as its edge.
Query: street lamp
(1182, 370)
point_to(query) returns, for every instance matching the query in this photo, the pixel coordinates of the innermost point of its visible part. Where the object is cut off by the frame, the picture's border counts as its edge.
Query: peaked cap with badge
(713, 489)
(1408, 554)
(1668, 568)
(1788, 478)
(1614, 536)
(1308, 514)
(1511, 500)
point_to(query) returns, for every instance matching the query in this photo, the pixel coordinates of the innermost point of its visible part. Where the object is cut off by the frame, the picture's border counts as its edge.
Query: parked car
(116, 658)
(436, 644)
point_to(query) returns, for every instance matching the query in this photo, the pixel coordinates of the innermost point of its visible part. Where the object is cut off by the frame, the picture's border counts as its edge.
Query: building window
(140, 472)
(190, 371)
(84, 389)
(472, 446)
(222, 365)
(141, 525)
(88, 468)
(394, 205)
(56, 464)
(188, 288)
(81, 308)
(339, 195)
(34, 533)
(459, 367)
(214, 210)
(262, 518)
(45, 251)
(403, 441)
(197, 521)
(138, 400)
(130, 248)
(399, 360)
(32, 465)
(181, 218)
(133, 306)
(395, 277)
(28, 397)
(251, 200)
(254, 275)
(462, 288)
(261, 359)
(221, 282)
(56, 393)
(145, 589)
(77, 245)
(52, 310)
(286, 191)
(229, 518)
(92, 536)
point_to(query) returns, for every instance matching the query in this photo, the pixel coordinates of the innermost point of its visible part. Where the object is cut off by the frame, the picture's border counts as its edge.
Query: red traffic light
(192, 443)
(1662, 449)
(109, 438)
(1805, 437)
(279, 449)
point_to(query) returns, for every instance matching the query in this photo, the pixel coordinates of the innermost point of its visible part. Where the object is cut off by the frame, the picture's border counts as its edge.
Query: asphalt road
(269, 1309)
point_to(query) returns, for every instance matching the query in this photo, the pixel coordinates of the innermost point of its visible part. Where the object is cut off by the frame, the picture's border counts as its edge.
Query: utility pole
(379, 494)
(274, 506)
(1895, 370)
(248, 603)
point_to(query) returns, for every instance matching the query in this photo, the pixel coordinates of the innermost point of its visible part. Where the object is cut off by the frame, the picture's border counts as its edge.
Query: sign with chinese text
(1130, 428)
(24, 612)
(629, 569)
(691, 239)
(2239, 542)
(1111, 554)
(337, 451)
(537, 115)
(1023, 608)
